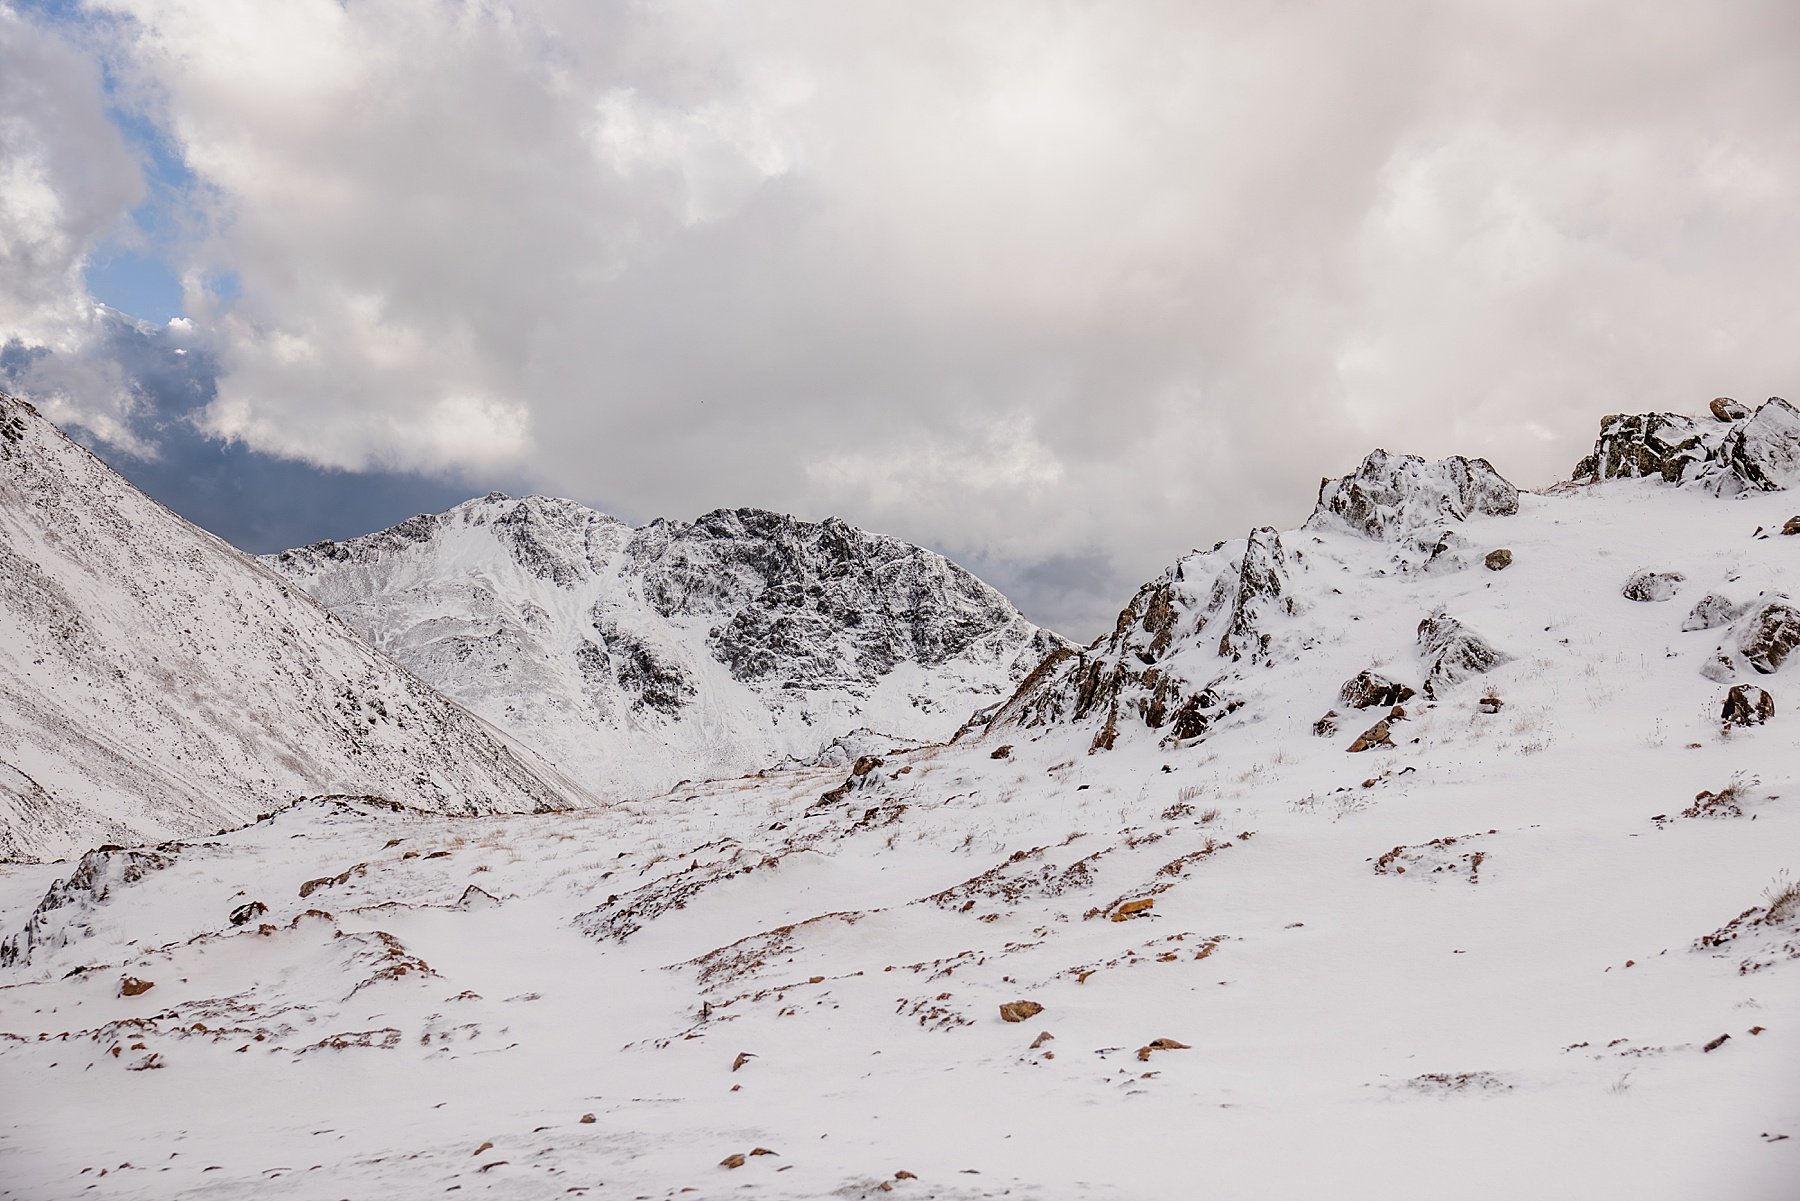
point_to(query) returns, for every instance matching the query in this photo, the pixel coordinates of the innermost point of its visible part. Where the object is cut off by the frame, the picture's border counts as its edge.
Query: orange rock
(1132, 908)
(131, 986)
(734, 1160)
(1018, 1011)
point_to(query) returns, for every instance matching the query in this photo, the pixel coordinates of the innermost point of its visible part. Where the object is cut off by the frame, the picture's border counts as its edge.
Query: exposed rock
(1758, 453)
(1764, 452)
(1159, 1044)
(1768, 635)
(1498, 560)
(1453, 653)
(587, 1119)
(1666, 446)
(1726, 409)
(1367, 689)
(1000, 752)
(1747, 705)
(1491, 704)
(1131, 909)
(1326, 727)
(131, 986)
(734, 1160)
(1791, 526)
(1019, 1011)
(1647, 585)
(1712, 611)
(1262, 585)
(1041, 1039)
(1391, 497)
(248, 913)
(1376, 735)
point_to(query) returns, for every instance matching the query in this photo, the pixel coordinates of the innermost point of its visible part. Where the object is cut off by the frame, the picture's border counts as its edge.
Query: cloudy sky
(1059, 288)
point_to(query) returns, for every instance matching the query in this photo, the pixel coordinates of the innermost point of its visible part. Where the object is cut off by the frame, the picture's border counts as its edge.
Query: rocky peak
(1737, 451)
(1400, 497)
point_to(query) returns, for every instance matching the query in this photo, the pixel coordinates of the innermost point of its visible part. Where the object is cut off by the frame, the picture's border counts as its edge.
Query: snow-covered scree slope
(635, 658)
(1534, 941)
(154, 682)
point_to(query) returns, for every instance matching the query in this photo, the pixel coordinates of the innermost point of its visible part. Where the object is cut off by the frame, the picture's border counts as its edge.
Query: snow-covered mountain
(156, 683)
(636, 658)
(1447, 843)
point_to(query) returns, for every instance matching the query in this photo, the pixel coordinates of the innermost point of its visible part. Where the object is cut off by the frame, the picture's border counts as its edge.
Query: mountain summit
(636, 658)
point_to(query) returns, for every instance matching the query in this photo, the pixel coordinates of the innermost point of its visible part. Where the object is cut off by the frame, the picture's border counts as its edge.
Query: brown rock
(1131, 909)
(1326, 727)
(762, 1151)
(483, 1147)
(1491, 703)
(1159, 1044)
(1002, 752)
(1747, 705)
(1019, 1011)
(1376, 735)
(1716, 1043)
(587, 1119)
(131, 986)
(1791, 526)
(1498, 560)
(1041, 1039)
(248, 913)
(1726, 409)
(864, 765)
(743, 1057)
(903, 1174)
(734, 1160)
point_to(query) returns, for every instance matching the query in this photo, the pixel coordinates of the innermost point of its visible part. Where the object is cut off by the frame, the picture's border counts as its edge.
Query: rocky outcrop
(1262, 595)
(1398, 497)
(1645, 585)
(1754, 452)
(1726, 409)
(1747, 705)
(1453, 653)
(1760, 641)
(1368, 688)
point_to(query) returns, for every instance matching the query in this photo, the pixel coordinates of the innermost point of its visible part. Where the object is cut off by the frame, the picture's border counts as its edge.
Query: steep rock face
(1757, 452)
(155, 683)
(1401, 497)
(1168, 664)
(635, 658)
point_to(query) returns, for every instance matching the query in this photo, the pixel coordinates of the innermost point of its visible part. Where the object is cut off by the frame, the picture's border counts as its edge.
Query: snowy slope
(156, 683)
(635, 658)
(1535, 943)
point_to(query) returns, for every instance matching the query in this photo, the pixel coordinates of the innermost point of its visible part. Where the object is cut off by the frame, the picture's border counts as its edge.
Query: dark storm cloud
(1062, 290)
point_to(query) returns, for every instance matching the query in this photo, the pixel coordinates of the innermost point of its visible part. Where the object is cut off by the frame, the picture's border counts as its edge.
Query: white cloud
(1032, 283)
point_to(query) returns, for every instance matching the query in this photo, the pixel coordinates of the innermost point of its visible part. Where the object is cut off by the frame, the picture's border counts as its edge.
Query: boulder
(1376, 735)
(1646, 585)
(1454, 653)
(1367, 689)
(1019, 1011)
(131, 986)
(1791, 526)
(1761, 640)
(1498, 560)
(1726, 409)
(1747, 705)
(1710, 612)
(1630, 446)
(1769, 635)
(248, 913)
(1755, 452)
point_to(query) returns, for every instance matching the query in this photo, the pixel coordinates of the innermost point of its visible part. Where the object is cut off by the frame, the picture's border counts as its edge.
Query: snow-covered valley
(1537, 940)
